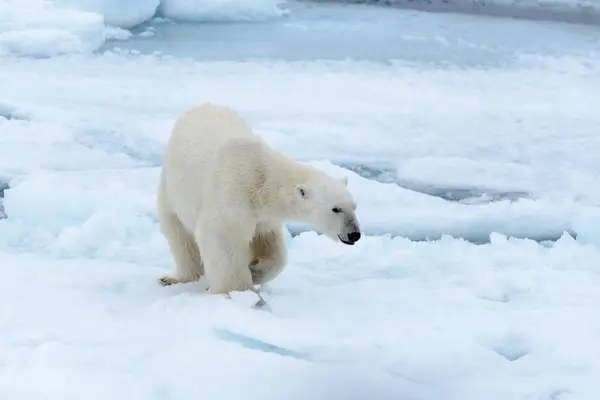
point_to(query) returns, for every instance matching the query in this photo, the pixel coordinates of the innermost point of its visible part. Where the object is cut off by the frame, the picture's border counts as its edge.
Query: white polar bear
(224, 196)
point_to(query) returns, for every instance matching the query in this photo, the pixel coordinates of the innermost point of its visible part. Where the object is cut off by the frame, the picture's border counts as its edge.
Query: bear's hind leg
(188, 262)
(269, 256)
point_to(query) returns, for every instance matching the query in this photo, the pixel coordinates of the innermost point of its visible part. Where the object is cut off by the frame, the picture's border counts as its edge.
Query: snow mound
(128, 14)
(48, 28)
(586, 223)
(117, 13)
(38, 28)
(8, 110)
(86, 215)
(222, 10)
(41, 43)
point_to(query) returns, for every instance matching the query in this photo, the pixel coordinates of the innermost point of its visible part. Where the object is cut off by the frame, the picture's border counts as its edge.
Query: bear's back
(206, 141)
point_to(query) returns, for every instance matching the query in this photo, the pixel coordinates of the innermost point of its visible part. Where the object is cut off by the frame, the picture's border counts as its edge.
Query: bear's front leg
(226, 255)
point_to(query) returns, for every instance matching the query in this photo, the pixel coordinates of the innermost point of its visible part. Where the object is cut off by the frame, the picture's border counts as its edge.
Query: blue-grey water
(335, 31)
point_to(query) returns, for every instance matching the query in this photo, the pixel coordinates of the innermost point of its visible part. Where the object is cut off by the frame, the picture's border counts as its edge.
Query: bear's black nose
(354, 236)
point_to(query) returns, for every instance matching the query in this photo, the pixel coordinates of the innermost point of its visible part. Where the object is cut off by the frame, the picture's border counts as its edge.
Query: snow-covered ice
(40, 28)
(472, 314)
(46, 28)
(117, 13)
(387, 319)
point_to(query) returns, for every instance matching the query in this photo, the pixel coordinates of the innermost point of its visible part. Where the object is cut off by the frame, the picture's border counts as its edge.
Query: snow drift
(44, 29)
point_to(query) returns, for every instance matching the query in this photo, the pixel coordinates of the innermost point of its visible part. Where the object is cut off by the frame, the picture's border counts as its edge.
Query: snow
(544, 181)
(41, 43)
(525, 108)
(47, 28)
(117, 13)
(43, 29)
(10, 111)
(472, 313)
(507, 320)
(71, 214)
(132, 13)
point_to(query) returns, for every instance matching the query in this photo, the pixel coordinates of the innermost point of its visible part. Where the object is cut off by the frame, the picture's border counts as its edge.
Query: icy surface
(386, 318)
(46, 28)
(40, 28)
(81, 144)
(365, 114)
(12, 111)
(123, 14)
(222, 10)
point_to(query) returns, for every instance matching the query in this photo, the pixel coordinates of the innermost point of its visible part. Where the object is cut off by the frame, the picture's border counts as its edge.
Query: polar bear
(225, 194)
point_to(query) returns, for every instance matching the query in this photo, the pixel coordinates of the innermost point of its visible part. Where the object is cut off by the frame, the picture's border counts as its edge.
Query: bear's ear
(345, 180)
(302, 191)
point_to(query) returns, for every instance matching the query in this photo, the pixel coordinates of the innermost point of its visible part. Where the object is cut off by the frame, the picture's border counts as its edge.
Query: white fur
(224, 196)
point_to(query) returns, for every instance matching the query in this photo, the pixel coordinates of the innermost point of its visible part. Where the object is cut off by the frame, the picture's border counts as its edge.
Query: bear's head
(326, 204)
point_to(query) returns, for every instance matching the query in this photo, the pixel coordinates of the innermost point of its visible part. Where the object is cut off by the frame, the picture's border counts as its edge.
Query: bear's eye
(336, 210)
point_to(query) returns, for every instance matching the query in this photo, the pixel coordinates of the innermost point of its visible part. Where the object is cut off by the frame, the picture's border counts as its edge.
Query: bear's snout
(351, 238)
(354, 237)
